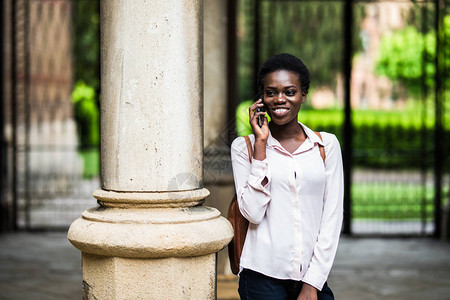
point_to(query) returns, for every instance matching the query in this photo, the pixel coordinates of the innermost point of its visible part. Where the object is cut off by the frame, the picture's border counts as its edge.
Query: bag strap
(249, 148)
(321, 148)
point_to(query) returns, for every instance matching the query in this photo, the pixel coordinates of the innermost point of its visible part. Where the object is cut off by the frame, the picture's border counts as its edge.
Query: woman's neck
(291, 130)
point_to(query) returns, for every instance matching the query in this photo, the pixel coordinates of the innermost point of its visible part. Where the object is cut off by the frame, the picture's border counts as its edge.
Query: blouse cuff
(314, 279)
(258, 172)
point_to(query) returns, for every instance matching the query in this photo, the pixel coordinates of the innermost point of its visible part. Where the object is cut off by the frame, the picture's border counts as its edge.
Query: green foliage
(245, 39)
(86, 114)
(407, 55)
(242, 119)
(391, 201)
(91, 162)
(87, 118)
(402, 54)
(86, 50)
(86, 41)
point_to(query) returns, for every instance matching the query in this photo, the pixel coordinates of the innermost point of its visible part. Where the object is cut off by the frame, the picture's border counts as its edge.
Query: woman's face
(283, 96)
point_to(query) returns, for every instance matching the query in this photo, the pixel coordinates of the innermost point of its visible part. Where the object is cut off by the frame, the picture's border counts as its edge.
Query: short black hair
(287, 62)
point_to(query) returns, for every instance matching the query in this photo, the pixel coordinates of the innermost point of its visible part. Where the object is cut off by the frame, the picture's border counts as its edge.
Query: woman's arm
(252, 179)
(252, 182)
(261, 133)
(332, 216)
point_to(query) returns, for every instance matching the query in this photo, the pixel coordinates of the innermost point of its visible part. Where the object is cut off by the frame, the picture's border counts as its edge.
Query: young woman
(292, 198)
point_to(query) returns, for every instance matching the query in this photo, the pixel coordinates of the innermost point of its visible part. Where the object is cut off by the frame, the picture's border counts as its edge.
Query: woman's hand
(261, 133)
(308, 292)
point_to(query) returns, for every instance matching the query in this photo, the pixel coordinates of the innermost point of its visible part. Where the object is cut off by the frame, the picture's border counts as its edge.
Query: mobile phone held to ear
(261, 118)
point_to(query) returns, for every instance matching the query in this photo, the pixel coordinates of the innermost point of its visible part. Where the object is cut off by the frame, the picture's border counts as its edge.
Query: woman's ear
(304, 96)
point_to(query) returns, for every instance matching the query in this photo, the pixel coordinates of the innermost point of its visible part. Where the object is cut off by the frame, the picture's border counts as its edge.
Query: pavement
(44, 265)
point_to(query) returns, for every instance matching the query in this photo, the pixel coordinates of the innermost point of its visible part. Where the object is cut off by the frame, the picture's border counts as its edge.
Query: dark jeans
(256, 286)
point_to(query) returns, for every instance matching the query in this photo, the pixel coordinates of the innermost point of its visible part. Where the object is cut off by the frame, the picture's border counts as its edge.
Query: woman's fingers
(256, 105)
(252, 110)
(261, 132)
(265, 121)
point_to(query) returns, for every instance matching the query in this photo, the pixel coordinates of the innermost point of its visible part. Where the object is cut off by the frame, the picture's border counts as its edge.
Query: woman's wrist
(259, 151)
(307, 288)
(261, 143)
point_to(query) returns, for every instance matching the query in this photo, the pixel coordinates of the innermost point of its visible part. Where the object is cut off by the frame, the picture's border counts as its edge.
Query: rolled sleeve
(259, 171)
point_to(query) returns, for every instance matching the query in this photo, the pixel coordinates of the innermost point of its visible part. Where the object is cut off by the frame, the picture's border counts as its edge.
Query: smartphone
(261, 118)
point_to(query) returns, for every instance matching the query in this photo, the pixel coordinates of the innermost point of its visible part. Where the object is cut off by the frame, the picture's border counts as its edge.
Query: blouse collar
(311, 140)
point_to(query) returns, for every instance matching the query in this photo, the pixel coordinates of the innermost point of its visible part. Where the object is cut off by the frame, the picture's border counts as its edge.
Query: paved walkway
(46, 266)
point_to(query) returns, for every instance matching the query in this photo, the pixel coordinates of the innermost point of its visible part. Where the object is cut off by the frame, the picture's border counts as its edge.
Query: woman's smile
(280, 111)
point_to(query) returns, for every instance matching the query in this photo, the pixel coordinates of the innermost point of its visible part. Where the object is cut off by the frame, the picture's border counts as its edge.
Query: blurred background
(50, 112)
(380, 82)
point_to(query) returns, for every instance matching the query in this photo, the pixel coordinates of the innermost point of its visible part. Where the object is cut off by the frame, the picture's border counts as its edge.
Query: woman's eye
(269, 93)
(290, 93)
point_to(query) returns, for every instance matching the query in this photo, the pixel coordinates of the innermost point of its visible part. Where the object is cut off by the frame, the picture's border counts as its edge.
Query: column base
(165, 278)
(150, 253)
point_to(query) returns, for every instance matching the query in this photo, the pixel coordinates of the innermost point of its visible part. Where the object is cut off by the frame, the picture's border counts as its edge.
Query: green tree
(85, 96)
(86, 42)
(86, 114)
(87, 117)
(406, 55)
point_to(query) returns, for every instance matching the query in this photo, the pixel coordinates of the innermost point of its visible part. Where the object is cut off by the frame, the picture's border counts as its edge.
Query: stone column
(151, 237)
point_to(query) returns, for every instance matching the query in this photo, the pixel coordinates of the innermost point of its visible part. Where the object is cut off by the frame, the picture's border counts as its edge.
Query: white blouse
(295, 219)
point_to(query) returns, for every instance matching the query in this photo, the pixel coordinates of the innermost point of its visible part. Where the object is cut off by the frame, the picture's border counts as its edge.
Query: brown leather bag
(239, 223)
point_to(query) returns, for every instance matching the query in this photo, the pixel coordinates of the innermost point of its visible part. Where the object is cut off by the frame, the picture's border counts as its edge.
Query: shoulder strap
(321, 148)
(249, 148)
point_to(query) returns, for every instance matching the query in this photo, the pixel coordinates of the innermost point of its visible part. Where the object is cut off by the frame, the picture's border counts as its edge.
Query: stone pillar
(151, 237)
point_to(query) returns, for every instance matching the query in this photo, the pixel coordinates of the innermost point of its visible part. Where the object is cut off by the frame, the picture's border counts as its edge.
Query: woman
(291, 197)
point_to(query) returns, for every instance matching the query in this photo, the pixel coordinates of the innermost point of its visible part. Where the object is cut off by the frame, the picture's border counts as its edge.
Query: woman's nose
(280, 99)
